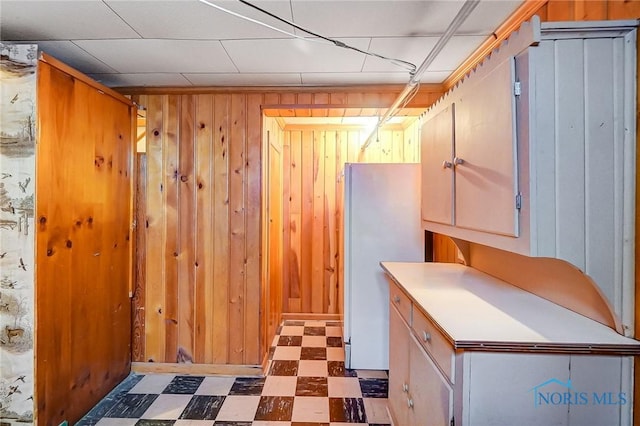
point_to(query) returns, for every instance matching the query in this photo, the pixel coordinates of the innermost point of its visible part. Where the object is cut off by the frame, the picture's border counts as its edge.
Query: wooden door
(83, 258)
(486, 156)
(436, 138)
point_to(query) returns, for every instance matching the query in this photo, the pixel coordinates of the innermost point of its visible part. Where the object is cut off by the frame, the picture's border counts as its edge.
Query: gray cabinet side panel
(602, 179)
(542, 147)
(570, 151)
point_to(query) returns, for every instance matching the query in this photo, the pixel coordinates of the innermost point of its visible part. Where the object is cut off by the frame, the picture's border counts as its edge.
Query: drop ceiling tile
(360, 18)
(73, 56)
(164, 56)
(60, 20)
(412, 49)
(193, 19)
(294, 55)
(488, 16)
(455, 52)
(143, 79)
(353, 78)
(237, 79)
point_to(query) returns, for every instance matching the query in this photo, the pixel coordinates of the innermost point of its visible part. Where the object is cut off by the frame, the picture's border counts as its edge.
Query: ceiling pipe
(462, 15)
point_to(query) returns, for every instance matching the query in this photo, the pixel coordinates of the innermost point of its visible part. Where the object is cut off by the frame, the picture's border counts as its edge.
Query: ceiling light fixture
(411, 89)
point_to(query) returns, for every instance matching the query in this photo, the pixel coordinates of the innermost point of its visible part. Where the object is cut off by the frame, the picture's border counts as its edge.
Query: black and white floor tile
(307, 385)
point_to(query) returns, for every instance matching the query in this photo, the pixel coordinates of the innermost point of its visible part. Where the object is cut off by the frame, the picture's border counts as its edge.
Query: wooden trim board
(311, 317)
(192, 369)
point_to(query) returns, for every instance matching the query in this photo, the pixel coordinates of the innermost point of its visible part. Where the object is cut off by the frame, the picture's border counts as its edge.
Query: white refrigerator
(381, 223)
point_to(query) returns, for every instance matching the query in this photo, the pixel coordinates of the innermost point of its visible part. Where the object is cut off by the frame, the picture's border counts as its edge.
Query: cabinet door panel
(398, 366)
(436, 139)
(431, 394)
(485, 142)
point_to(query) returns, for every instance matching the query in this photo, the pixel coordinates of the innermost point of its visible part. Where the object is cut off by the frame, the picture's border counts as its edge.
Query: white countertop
(477, 311)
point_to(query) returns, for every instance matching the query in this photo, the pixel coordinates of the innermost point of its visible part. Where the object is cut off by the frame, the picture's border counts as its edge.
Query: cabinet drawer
(434, 343)
(400, 300)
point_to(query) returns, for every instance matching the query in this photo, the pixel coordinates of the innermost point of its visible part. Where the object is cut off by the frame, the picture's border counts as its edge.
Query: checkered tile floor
(307, 385)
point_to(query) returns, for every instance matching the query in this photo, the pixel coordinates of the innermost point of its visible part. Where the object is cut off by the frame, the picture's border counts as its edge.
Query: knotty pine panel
(83, 316)
(203, 183)
(202, 249)
(313, 208)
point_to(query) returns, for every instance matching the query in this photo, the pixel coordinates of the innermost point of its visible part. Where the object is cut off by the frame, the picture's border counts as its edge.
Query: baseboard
(189, 369)
(307, 316)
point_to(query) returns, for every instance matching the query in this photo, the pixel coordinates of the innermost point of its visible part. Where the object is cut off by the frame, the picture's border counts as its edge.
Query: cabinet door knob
(410, 402)
(426, 336)
(396, 299)
(405, 387)
(446, 164)
(458, 161)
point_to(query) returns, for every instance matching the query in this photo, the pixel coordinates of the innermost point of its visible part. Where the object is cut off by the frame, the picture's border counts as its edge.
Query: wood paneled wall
(82, 230)
(202, 242)
(314, 158)
(202, 248)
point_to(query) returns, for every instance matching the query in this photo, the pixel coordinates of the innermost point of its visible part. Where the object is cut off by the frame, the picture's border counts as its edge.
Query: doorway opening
(304, 153)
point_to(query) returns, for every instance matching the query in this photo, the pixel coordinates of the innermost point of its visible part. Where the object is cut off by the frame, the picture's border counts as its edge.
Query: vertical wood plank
(307, 219)
(317, 224)
(271, 99)
(295, 226)
(140, 255)
(50, 255)
(139, 301)
(628, 9)
(342, 141)
(589, 10)
(286, 221)
(353, 146)
(186, 230)
(398, 141)
(386, 147)
(253, 188)
(171, 110)
(561, 10)
(237, 260)
(204, 280)
(330, 246)
(155, 229)
(221, 232)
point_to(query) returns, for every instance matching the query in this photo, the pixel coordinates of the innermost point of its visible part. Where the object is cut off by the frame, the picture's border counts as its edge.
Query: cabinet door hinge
(517, 88)
(518, 201)
(452, 422)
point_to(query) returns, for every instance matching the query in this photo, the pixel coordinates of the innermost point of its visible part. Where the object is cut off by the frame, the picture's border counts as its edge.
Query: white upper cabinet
(485, 154)
(468, 151)
(543, 151)
(436, 152)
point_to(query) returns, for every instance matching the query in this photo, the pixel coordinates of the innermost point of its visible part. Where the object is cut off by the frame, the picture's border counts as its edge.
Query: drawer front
(434, 343)
(400, 300)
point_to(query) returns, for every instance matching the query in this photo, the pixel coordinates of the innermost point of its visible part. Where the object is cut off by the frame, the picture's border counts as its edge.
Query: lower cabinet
(433, 384)
(418, 392)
